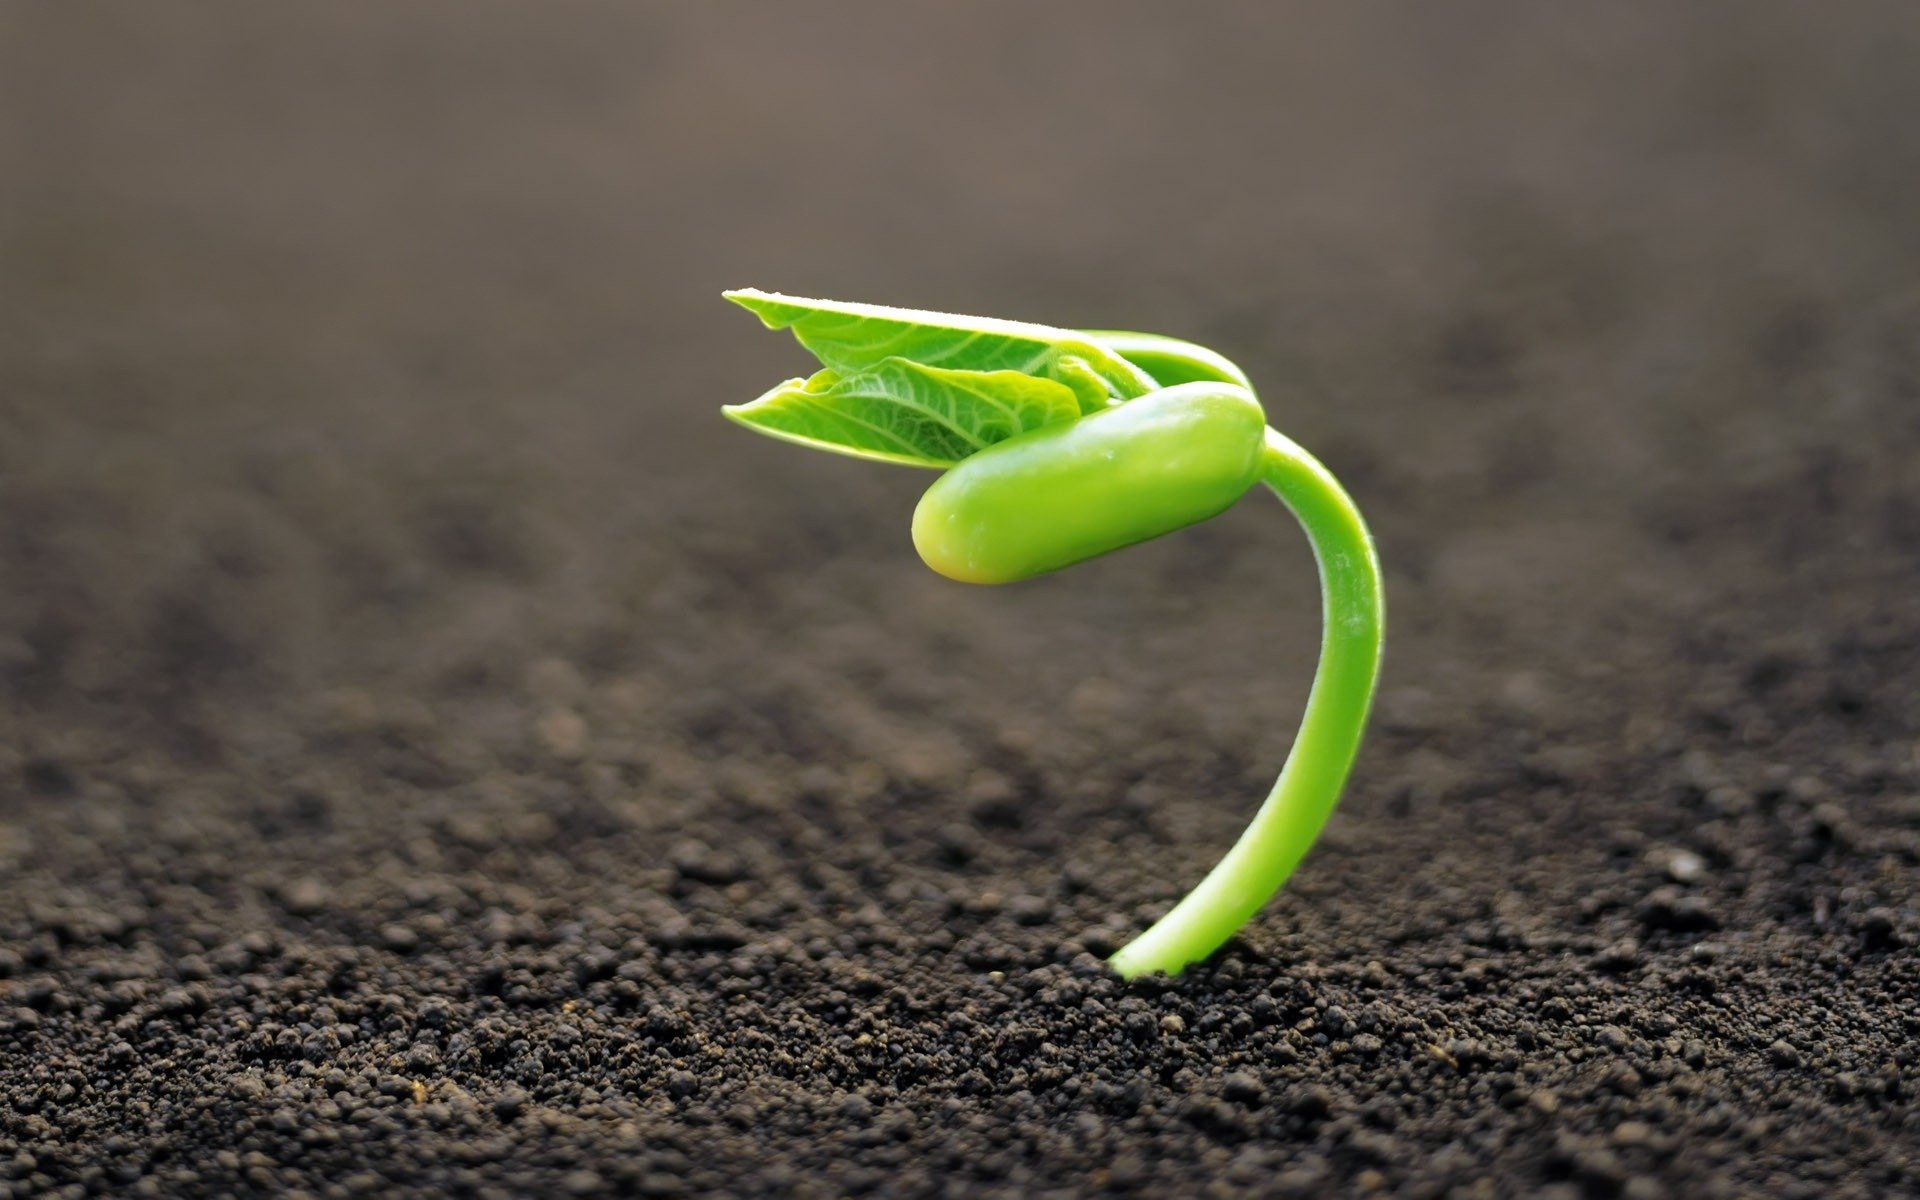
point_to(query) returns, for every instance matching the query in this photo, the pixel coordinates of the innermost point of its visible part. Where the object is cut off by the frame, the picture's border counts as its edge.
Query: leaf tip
(770, 307)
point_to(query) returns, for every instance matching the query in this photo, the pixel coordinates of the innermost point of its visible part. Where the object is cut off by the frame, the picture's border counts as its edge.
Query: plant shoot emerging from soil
(1060, 445)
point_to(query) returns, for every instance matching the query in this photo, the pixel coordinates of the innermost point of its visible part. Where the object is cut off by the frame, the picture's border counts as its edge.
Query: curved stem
(1323, 751)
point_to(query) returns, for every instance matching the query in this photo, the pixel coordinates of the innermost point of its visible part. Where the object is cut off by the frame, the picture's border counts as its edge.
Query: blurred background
(376, 570)
(342, 345)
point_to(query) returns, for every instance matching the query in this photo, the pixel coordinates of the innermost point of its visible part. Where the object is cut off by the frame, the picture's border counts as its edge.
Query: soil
(441, 756)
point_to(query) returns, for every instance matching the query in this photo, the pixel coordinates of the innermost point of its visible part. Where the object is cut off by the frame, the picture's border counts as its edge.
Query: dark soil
(441, 757)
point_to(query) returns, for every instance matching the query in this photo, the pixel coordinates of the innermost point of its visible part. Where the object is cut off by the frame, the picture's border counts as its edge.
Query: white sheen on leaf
(850, 337)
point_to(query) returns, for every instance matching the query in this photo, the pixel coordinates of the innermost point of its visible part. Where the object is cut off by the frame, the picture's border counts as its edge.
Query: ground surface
(440, 754)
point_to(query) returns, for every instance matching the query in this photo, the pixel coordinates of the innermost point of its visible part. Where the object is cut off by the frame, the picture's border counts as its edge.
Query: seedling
(1060, 445)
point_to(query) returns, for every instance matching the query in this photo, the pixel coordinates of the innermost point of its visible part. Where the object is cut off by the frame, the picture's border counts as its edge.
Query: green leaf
(901, 411)
(1088, 387)
(850, 338)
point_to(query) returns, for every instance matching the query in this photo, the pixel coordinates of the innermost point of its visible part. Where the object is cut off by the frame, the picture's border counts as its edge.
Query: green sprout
(1060, 445)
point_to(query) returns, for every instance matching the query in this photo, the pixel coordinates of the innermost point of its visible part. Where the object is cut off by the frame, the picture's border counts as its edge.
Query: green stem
(1323, 751)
